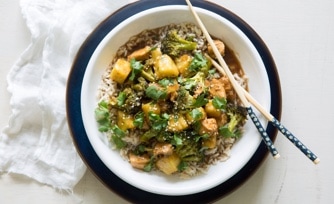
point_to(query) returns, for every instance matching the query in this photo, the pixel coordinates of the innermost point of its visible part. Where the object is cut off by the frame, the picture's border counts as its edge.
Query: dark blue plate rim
(86, 151)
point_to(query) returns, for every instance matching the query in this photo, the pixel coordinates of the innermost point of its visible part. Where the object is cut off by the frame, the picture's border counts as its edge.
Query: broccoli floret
(132, 102)
(197, 81)
(184, 99)
(147, 71)
(237, 117)
(147, 75)
(173, 44)
(189, 150)
(129, 100)
(141, 86)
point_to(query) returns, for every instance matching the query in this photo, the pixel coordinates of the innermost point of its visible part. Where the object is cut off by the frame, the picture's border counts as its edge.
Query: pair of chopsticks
(247, 100)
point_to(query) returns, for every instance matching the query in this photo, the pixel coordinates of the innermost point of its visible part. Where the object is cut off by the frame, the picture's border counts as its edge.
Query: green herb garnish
(198, 62)
(139, 120)
(200, 101)
(117, 136)
(177, 140)
(121, 98)
(136, 67)
(196, 114)
(219, 103)
(155, 92)
(158, 122)
(102, 116)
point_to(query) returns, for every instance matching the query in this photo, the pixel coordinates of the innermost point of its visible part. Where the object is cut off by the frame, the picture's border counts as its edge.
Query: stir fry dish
(165, 107)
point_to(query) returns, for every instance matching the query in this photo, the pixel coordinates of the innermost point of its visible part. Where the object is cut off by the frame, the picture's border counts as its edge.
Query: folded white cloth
(36, 142)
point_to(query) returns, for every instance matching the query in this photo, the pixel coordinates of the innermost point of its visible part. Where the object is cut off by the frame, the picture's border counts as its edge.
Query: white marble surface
(300, 35)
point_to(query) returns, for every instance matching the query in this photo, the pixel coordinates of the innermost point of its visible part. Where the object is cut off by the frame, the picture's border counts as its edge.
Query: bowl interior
(156, 182)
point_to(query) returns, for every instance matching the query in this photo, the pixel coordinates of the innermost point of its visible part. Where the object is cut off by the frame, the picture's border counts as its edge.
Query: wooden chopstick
(266, 139)
(246, 99)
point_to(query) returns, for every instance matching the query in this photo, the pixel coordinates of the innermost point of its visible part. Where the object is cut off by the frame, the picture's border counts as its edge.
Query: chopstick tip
(316, 161)
(277, 156)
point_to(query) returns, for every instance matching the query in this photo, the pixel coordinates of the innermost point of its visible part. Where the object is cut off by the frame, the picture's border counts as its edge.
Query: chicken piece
(208, 126)
(164, 106)
(141, 54)
(229, 90)
(220, 46)
(198, 91)
(163, 149)
(227, 84)
(172, 91)
(216, 88)
(137, 161)
(222, 119)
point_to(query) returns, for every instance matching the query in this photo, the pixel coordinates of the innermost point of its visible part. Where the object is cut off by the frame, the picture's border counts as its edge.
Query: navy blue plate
(86, 150)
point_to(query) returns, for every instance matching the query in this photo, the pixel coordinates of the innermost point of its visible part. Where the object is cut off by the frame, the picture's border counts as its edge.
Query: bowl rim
(93, 40)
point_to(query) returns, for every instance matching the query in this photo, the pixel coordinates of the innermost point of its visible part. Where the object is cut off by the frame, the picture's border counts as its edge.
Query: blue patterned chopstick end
(295, 141)
(266, 139)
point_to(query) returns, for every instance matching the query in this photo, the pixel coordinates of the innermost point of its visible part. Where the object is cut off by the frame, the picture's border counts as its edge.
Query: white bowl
(156, 182)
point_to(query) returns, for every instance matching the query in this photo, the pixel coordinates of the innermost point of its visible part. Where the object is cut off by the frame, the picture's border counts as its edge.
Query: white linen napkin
(36, 142)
